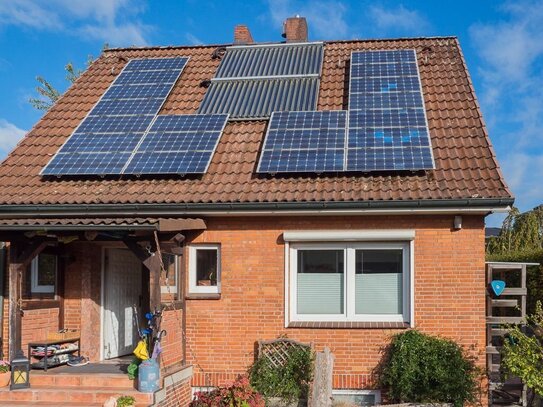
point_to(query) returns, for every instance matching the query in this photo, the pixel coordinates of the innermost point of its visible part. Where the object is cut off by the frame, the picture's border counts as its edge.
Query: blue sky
(502, 42)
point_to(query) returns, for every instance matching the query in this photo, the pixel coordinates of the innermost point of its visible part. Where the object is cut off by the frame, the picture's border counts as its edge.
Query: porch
(97, 277)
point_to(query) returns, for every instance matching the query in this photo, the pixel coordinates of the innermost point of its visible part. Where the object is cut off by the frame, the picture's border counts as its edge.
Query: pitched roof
(466, 167)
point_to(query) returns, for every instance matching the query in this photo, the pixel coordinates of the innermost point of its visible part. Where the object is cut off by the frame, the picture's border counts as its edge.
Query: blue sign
(498, 286)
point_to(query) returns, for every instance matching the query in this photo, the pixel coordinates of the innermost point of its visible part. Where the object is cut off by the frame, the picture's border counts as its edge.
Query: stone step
(70, 395)
(116, 381)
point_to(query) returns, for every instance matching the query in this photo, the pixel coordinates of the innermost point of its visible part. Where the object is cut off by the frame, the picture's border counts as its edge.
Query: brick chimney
(295, 29)
(242, 35)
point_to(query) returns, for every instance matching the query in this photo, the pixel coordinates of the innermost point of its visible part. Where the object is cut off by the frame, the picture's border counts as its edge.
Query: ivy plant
(288, 381)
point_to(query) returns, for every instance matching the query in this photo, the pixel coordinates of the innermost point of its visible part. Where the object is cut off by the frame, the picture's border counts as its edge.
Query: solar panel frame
(181, 153)
(387, 57)
(131, 63)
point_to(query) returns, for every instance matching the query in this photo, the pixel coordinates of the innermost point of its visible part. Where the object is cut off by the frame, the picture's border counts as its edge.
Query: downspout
(2, 273)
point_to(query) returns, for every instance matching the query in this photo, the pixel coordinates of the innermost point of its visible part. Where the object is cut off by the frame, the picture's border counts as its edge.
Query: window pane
(353, 399)
(379, 281)
(320, 281)
(169, 277)
(206, 267)
(47, 268)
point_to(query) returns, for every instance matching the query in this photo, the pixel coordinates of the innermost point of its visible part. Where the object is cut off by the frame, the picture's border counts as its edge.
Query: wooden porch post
(19, 258)
(152, 262)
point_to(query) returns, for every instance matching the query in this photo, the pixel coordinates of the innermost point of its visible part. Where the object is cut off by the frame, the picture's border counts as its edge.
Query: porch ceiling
(82, 224)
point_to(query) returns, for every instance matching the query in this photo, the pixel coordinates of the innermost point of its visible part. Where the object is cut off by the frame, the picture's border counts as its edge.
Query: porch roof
(126, 223)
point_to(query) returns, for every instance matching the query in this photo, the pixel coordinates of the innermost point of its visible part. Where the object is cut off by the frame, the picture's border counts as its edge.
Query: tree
(48, 94)
(521, 240)
(523, 352)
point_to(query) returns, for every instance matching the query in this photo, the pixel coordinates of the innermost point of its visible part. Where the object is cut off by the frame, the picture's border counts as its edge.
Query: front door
(122, 291)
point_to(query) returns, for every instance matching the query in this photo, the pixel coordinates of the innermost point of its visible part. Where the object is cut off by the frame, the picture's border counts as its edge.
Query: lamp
(20, 372)
(458, 222)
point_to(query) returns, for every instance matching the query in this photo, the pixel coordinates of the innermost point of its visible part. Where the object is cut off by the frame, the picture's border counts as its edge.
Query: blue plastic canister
(148, 376)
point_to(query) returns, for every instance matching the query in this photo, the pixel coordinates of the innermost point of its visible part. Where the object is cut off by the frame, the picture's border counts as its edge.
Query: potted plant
(210, 279)
(5, 374)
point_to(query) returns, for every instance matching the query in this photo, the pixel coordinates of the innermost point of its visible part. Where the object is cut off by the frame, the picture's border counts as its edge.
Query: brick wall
(449, 294)
(172, 344)
(177, 391)
(36, 324)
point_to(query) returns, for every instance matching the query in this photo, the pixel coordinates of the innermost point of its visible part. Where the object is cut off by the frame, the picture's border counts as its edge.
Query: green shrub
(126, 401)
(420, 368)
(523, 352)
(289, 382)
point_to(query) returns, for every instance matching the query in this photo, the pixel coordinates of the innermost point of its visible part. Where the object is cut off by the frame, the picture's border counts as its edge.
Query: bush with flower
(4, 366)
(237, 394)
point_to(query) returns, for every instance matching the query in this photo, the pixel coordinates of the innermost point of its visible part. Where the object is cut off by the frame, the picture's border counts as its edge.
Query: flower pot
(204, 282)
(5, 378)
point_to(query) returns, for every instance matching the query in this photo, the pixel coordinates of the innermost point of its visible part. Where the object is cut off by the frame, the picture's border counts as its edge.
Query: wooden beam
(135, 248)
(153, 264)
(178, 225)
(30, 250)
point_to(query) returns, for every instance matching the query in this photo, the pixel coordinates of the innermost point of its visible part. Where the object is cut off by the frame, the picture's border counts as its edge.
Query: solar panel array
(384, 129)
(387, 127)
(105, 140)
(254, 81)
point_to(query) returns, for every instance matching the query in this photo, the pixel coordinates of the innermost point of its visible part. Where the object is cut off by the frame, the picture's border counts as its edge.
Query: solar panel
(304, 142)
(254, 81)
(105, 140)
(178, 144)
(387, 125)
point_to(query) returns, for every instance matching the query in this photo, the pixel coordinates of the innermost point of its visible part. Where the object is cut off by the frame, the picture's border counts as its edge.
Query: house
(332, 192)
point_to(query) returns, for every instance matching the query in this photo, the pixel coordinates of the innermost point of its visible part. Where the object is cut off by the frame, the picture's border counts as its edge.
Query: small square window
(43, 273)
(205, 269)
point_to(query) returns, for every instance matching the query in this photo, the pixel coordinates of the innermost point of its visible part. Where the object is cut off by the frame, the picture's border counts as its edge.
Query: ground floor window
(205, 269)
(43, 274)
(170, 275)
(356, 397)
(367, 281)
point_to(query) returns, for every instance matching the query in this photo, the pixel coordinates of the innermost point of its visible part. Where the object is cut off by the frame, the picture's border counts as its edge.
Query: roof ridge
(162, 47)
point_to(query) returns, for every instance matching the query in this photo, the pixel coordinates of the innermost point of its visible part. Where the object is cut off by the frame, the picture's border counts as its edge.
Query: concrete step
(115, 381)
(69, 395)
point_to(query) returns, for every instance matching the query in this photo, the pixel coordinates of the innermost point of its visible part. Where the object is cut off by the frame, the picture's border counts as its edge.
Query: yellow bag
(141, 350)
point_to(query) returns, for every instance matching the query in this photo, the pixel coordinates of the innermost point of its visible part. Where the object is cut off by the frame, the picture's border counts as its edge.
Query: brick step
(116, 381)
(71, 395)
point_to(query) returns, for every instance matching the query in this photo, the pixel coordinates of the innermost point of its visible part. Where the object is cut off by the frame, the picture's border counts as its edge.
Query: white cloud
(112, 21)
(397, 19)
(511, 53)
(9, 136)
(326, 19)
(193, 40)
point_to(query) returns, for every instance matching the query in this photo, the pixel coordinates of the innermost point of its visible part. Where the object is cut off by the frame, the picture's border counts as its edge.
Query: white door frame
(103, 293)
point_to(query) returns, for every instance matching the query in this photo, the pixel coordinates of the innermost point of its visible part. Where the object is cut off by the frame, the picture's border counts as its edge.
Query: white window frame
(35, 287)
(173, 288)
(193, 287)
(349, 282)
(343, 392)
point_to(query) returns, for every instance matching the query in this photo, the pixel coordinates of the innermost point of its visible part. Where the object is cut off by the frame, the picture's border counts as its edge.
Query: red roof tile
(466, 166)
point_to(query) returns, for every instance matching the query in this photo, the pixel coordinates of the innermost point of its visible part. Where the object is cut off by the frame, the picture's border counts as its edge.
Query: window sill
(30, 304)
(203, 296)
(348, 325)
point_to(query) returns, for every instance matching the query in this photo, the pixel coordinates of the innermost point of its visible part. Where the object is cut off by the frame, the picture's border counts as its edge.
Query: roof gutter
(473, 205)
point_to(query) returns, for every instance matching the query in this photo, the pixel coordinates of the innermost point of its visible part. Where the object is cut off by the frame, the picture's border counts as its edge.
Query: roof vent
(295, 29)
(242, 35)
